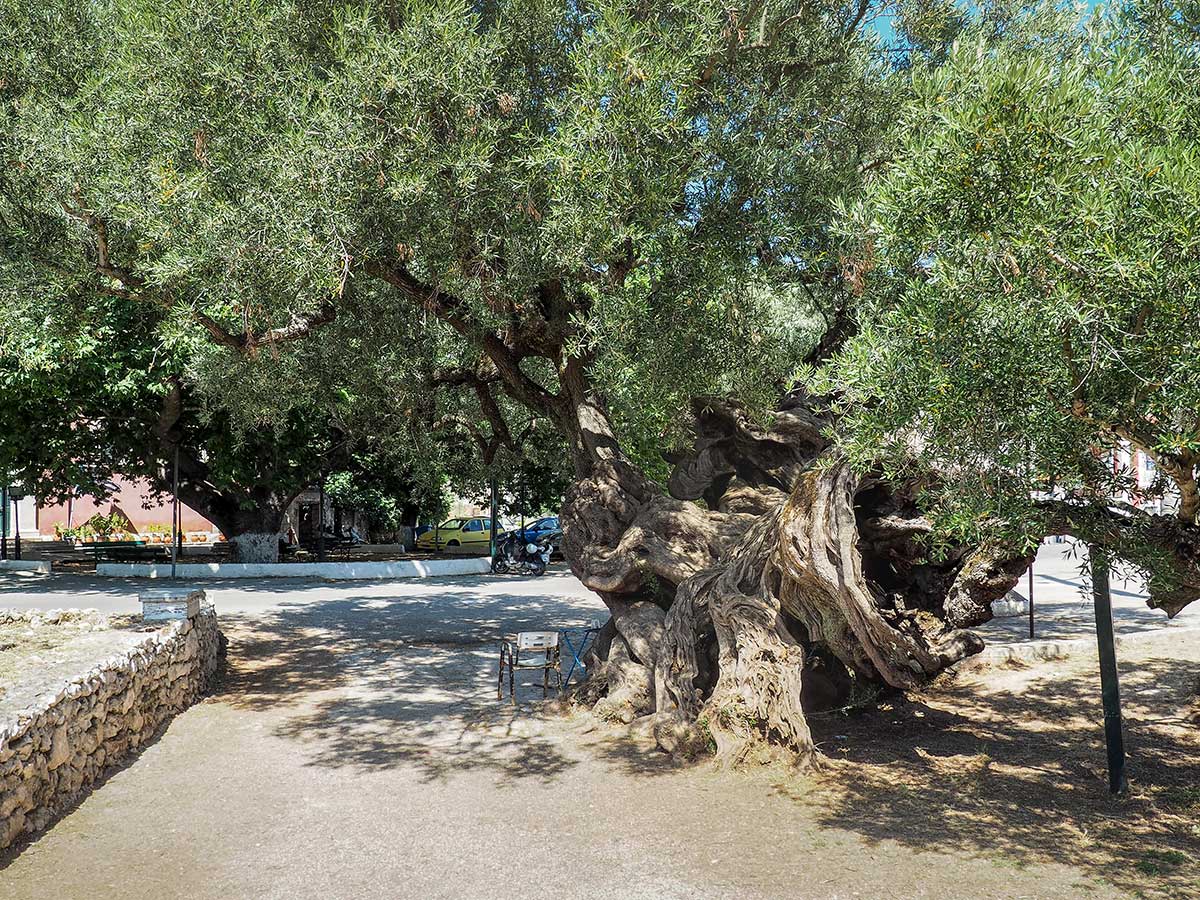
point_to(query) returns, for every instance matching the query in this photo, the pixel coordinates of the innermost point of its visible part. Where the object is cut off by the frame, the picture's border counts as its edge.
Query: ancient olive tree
(613, 218)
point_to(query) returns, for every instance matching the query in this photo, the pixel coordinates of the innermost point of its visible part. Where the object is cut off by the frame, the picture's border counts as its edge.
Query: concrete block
(34, 566)
(333, 571)
(167, 605)
(1011, 604)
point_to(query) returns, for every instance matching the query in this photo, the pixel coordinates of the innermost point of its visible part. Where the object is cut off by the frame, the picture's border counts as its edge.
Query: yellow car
(460, 535)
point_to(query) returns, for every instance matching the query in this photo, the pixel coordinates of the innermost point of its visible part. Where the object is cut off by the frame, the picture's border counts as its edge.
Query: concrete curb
(1041, 651)
(334, 571)
(38, 566)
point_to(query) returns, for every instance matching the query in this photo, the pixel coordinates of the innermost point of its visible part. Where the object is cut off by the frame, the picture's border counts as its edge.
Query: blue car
(547, 526)
(540, 528)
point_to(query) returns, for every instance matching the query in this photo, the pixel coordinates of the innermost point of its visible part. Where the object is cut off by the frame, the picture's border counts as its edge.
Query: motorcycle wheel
(537, 567)
(499, 566)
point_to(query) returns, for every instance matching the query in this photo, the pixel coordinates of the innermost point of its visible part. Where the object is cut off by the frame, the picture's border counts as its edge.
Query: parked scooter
(518, 556)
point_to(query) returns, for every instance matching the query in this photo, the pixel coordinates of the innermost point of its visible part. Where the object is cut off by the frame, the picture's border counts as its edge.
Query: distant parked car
(545, 527)
(540, 527)
(471, 533)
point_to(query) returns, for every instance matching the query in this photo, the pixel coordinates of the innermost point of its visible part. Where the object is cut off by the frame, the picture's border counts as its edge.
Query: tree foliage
(254, 167)
(1032, 301)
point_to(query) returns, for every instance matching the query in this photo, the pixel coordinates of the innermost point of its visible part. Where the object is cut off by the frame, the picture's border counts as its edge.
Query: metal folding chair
(528, 650)
(584, 637)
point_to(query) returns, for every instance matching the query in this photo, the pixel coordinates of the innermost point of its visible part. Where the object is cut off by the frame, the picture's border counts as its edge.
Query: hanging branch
(134, 287)
(452, 310)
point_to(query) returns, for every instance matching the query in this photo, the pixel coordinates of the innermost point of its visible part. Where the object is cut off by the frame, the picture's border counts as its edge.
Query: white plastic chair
(528, 650)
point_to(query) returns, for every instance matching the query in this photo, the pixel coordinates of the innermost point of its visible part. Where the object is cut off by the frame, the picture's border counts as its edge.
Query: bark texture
(768, 581)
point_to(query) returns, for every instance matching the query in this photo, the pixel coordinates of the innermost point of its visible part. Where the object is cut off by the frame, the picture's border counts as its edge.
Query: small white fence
(336, 571)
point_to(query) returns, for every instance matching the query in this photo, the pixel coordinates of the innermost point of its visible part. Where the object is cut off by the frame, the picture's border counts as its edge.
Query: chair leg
(545, 680)
(500, 675)
(512, 669)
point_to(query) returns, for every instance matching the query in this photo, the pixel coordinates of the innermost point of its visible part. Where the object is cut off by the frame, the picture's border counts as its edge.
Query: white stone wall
(404, 568)
(53, 751)
(38, 566)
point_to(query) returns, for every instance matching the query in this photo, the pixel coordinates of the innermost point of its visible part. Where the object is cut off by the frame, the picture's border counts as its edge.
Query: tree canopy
(254, 169)
(1031, 307)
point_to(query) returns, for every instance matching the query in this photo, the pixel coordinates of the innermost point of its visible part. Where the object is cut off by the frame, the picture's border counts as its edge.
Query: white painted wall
(23, 512)
(337, 571)
(40, 566)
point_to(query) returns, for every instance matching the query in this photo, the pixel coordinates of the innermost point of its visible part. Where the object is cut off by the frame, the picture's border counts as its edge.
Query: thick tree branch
(454, 311)
(135, 287)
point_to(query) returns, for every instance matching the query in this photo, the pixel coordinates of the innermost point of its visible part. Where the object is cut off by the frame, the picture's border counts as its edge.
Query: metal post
(17, 529)
(175, 512)
(4, 523)
(493, 519)
(321, 519)
(1031, 601)
(1109, 687)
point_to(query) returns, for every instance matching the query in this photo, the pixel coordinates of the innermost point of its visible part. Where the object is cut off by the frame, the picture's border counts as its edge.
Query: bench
(127, 551)
(150, 553)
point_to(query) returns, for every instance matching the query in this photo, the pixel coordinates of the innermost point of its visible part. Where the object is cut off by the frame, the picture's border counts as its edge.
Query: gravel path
(37, 658)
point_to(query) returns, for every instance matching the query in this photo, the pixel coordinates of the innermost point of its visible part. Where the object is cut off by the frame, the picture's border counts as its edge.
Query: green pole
(495, 503)
(1109, 687)
(1031, 599)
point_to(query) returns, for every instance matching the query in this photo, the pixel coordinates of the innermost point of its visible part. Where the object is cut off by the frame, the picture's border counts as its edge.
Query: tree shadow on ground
(1011, 766)
(368, 683)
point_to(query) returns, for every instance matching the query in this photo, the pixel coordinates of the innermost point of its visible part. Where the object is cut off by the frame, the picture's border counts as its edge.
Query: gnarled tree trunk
(250, 516)
(254, 533)
(789, 583)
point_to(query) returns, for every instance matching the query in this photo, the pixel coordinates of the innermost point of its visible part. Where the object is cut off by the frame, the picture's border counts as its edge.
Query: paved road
(1062, 604)
(356, 750)
(1063, 608)
(426, 602)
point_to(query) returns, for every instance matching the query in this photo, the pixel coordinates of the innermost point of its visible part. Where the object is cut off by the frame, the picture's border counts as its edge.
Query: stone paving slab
(1062, 604)
(1040, 651)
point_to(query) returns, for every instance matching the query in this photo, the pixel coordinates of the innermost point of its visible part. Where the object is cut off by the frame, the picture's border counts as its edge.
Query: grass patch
(1183, 798)
(1161, 862)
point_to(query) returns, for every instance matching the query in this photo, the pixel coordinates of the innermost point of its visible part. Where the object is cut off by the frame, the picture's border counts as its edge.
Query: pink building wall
(132, 498)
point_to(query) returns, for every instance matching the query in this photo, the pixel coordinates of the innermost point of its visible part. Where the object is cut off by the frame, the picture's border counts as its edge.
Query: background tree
(92, 395)
(391, 493)
(1034, 253)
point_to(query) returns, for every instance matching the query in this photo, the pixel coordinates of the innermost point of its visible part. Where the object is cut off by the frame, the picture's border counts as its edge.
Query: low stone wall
(37, 566)
(52, 751)
(334, 571)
